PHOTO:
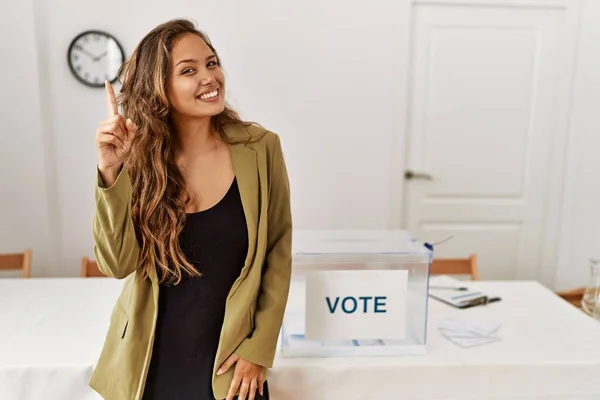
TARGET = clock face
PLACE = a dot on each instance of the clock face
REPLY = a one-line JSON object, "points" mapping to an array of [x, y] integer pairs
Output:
{"points": [[94, 57]]}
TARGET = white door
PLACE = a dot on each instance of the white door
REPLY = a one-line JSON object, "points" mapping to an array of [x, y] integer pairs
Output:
{"points": [[487, 121]]}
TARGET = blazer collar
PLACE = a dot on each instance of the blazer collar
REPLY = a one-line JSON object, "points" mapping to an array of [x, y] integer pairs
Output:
{"points": [[237, 133]]}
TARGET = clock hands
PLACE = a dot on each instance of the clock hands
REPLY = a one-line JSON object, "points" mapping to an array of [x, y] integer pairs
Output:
{"points": [[100, 56], [92, 56], [83, 50]]}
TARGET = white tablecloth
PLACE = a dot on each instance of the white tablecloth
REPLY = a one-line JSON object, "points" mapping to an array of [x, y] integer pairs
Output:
{"points": [[52, 330], [51, 334], [549, 351]]}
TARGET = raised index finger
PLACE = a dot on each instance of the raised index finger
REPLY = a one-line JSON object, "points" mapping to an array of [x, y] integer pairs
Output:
{"points": [[113, 109]]}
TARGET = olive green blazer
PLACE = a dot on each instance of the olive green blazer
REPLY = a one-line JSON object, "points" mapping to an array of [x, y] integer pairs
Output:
{"points": [[257, 300]]}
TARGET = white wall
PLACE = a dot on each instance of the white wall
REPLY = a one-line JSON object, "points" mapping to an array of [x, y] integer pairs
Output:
{"points": [[581, 208], [329, 77], [329, 82], [73, 111], [25, 212]]}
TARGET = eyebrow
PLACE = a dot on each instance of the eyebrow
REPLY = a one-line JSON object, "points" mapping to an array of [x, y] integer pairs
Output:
{"points": [[194, 60]]}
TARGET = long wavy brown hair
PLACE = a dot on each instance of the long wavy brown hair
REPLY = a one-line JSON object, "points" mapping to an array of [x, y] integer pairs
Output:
{"points": [[159, 191]]}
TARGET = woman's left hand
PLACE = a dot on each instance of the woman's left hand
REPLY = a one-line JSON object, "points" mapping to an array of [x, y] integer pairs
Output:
{"points": [[247, 377]]}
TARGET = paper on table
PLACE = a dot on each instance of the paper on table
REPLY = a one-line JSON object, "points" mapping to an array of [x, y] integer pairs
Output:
{"points": [[469, 331], [471, 342], [471, 326]]}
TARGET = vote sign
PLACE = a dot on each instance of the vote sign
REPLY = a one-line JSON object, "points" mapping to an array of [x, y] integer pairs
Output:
{"points": [[366, 304]]}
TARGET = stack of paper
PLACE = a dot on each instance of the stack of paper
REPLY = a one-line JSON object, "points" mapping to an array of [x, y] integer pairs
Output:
{"points": [[469, 331]]}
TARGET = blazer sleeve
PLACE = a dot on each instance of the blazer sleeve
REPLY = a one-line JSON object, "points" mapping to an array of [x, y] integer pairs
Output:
{"points": [[115, 245], [261, 346]]}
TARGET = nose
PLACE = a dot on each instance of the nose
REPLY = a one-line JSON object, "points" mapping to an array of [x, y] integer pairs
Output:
{"points": [[207, 79]]}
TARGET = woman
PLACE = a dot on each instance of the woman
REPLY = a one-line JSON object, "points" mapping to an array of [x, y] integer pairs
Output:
{"points": [[193, 208]]}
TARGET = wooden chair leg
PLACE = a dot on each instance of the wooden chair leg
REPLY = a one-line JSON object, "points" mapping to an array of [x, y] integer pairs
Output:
{"points": [[27, 263]]}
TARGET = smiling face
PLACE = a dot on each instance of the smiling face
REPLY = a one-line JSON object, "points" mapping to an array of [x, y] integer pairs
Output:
{"points": [[196, 85]]}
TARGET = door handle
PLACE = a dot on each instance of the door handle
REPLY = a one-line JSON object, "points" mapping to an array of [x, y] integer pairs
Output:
{"points": [[409, 175]]}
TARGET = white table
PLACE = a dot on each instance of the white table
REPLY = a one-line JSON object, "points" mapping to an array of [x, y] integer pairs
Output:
{"points": [[52, 330], [51, 334], [549, 351]]}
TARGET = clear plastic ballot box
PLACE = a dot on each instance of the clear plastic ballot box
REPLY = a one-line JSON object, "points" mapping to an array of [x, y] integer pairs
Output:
{"points": [[356, 293]]}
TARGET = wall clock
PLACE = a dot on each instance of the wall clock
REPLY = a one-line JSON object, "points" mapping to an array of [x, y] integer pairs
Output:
{"points": [[95, 56]]}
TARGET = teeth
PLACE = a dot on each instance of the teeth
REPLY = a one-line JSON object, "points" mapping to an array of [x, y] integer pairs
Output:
{"points": [[210, 95]]}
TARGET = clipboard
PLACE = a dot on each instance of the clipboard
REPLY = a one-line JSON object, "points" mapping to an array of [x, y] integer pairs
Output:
{"points": [[456, 294]]}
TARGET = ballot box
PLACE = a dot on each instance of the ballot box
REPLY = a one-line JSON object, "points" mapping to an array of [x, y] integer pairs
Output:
{"points": [[356, 293]]}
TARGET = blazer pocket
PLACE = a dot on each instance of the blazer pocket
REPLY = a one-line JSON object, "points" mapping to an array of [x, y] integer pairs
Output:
{"points": [[119, 321], [124, 329], [251, 311]]}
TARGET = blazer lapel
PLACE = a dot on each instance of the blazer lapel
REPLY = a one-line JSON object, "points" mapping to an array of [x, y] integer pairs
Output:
{"points": [[245, 166]]}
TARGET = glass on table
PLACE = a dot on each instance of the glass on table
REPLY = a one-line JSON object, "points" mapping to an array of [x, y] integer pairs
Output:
{"points": [[591, 296]]}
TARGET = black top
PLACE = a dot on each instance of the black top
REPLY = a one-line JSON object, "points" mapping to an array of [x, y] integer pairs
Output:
{"points": [[190, 314]]}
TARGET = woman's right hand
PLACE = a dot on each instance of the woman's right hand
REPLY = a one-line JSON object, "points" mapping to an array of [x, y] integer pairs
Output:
{"points": [[113, 138]]}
